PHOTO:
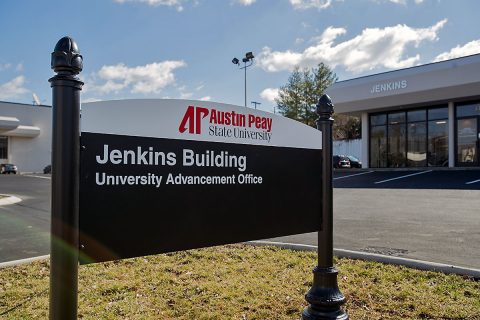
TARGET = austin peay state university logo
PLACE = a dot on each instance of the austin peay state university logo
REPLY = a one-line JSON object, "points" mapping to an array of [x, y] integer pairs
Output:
{"points": [[229, 124], [192, 120]]}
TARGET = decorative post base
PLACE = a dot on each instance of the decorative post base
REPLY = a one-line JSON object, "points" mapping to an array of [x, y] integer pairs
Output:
{"points": [[324, 297]]}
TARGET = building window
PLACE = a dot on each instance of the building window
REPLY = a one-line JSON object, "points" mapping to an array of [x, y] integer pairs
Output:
{"points": [[417, 138], [3, 147], [396, 140], [378, 141], [468, 134], [467, 141], [378, 146], [438, 137], [413, 138]]}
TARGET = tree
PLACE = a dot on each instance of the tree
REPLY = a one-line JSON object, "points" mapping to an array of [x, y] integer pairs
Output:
{"points": [[298, 99], [346, 127]]}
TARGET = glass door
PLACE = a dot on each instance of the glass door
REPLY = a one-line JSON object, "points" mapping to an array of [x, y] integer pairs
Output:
{"points": [[467, 142]]}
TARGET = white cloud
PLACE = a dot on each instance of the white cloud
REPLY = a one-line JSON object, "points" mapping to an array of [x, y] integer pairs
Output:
{"points": [[299, 41], [206, 98], [269, 94], [150, 78], [5, 66], [308, 4], [470, 48], [186, 95], [13, 89], [372, 48], [90, 100], [155, 3], [402, 2], [245, 2], [273, 61]]}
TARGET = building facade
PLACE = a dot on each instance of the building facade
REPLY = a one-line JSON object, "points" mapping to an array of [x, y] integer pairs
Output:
{"points": [[424, 116], [25, 136]]}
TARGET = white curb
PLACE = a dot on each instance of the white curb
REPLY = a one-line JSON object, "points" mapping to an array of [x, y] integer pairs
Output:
{"points": [[411, 263], [9, 200], [22, 261]]}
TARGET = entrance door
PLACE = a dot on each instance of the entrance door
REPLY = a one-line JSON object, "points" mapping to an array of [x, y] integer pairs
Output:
{"points": [[468, 138]]}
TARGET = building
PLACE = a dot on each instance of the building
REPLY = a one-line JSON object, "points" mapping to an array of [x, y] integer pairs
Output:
{"points": [[25, 136], [424, 116]]}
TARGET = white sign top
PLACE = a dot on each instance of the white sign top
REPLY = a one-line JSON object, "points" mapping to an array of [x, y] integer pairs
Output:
{"points": [[197, 120]]}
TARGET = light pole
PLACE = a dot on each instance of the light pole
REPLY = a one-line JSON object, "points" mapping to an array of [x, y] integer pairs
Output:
{"points": [[248, 58], [255, 103]]}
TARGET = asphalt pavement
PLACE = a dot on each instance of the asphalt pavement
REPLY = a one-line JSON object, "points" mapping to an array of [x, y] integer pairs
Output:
{"points": [[25, 226], [418, 214], [421, 214], [408, 179]]}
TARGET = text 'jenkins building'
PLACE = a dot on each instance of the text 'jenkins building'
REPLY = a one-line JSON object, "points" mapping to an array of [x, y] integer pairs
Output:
{"points": [[424, 116]]}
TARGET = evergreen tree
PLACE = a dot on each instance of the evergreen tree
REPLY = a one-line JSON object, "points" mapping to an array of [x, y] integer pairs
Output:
{"points": [[298, 99]]}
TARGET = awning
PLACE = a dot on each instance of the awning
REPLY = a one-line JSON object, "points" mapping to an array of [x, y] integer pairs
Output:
{"points": [[8, 123], [23, 131]]}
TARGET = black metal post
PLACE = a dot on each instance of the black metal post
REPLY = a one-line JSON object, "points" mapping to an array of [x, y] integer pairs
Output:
{"points": [[67, 63], [324, 296]]}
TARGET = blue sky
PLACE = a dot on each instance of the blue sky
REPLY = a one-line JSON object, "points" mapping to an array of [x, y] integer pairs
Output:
{"points": [[184, 48]]}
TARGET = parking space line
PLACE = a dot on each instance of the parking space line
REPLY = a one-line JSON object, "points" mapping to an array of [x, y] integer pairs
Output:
{"points": [[352, 175], [34, 176], [406, 176], [474, 181]]}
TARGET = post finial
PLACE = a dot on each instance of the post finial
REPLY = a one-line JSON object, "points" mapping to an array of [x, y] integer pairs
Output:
{"points": [[325, 107], [66, 58]]}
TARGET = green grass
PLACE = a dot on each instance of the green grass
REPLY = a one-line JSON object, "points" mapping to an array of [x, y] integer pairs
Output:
{"points": [[238, 282]]}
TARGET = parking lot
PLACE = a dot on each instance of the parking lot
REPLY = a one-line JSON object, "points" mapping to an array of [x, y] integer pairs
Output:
{"points": [[408, 179], [25, 226], [419, 214]]}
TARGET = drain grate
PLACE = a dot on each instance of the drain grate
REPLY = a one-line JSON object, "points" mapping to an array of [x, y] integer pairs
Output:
{"points": [[386, 251]]}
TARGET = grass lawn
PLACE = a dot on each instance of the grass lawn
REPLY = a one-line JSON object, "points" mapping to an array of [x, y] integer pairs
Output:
{"points": [[238, 282]]}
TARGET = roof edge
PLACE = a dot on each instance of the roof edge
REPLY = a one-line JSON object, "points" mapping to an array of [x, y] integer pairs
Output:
{"points": [[27, 104], [409, 68]]}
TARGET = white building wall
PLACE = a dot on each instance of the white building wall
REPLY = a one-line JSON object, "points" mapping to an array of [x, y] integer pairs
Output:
{"points": [[348, 147], [29, 154]]}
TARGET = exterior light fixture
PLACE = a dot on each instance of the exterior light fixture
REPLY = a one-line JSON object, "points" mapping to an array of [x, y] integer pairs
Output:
{"points": [[247, 62]]}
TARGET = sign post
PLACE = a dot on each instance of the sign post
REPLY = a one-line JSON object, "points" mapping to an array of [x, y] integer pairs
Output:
{"points": [[325, 297], [66, 87]]}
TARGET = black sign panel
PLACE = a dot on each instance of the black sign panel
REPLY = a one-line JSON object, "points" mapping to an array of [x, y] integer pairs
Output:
{"points": [[141, 196]]}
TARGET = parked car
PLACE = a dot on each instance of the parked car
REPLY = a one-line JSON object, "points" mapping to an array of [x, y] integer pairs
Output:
{"points": [[8, 168], [354, 162], [47, 169], [340, 161]]}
